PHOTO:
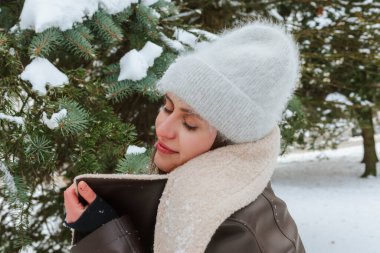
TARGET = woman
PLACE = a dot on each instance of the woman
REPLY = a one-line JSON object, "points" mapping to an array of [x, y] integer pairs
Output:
{"points": [[217, 142]]}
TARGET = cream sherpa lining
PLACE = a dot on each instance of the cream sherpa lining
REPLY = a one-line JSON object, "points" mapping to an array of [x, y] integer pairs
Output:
{"points": [[204, 192]]}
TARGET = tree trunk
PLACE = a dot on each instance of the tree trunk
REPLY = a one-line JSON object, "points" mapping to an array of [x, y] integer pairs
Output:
{"points": [[370, 157]]}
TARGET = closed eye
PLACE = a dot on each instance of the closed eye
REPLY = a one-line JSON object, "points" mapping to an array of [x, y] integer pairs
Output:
{"points": [[190, 128], [166, 109]]}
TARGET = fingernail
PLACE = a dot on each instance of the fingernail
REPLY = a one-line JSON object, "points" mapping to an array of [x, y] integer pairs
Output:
{"points": [[83, 186]]}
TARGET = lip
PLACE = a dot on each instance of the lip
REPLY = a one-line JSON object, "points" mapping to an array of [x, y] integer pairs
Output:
{"points": [[164, 149]]}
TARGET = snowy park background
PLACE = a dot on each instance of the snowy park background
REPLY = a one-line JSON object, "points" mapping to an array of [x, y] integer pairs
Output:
{"points": [[336, 211]]}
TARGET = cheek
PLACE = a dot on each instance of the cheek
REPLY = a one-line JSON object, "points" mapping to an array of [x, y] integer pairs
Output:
{"points": [[195, 144]]}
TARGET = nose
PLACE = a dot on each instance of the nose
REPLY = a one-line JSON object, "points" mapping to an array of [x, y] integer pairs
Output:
{"points": [[166, 127]]}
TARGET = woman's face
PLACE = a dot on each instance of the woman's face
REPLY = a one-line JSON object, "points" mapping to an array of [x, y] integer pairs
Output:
{"points": [[181, 134]]}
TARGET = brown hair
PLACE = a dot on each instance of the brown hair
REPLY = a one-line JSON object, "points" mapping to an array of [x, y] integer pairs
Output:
{"points": [[220, 141]]}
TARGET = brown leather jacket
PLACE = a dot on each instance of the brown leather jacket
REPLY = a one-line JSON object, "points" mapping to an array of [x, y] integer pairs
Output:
{"points": [[263, 226]]}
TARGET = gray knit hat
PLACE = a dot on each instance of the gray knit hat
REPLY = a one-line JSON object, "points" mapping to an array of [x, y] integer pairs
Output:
{"points": [[241, 82]]}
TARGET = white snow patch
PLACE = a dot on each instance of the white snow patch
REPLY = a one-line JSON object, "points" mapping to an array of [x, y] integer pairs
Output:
{"points": [[155, 13], [173, 44], [209, 36], [327, 111], [41, 72], [43, 14], [365, 50], [12, 51], [338, 97], [276, 15], [134, 64], [8, 178], [15, 119], [115, 6], [135, 150], [288, 114], [52, 123], [356, 9], [320, 22], [40, 15], [14, 29], [148, 2], [150, 52], [185, 37]]}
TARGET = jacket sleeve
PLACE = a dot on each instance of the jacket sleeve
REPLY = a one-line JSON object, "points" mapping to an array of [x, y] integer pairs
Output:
{"points": [[233, 236], [116, 236], [96, 214]]}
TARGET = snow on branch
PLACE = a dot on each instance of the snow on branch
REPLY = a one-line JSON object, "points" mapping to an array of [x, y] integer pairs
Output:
{"points": [[8, 179], [338, 97], [52, 123], [173, 44], [134, 64], [135, 150], [41, 72], [185, 37], [40, 15], [209, 36], [15, 119]]}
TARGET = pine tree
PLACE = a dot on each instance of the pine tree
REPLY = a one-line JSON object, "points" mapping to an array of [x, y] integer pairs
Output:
{"points": [[340, 46], [48, 134]]}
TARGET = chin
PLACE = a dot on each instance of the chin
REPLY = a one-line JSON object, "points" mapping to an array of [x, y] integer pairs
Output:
{"points": [[162, 165]]}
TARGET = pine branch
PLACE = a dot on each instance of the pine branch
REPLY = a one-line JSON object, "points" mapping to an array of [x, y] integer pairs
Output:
{"points": [[147, 87], [45, 42], [76, 43], [3, 41], [146, 17], [147, 22], [85, 32], [120, 90], [77, 119], [106, 27], [124, 15], [111, 73], [162, 63], [17, 197], [112, 69], [110, 80], [165, 8], [8, 81], [131, 133], [39, 149], [117, 91], [88, 163], [134, 164]]}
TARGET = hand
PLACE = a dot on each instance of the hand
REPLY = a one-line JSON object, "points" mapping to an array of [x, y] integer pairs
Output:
{"points": [[74, 208]]}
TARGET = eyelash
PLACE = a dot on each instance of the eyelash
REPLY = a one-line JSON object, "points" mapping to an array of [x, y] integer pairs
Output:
{"points": [[190, 128]]}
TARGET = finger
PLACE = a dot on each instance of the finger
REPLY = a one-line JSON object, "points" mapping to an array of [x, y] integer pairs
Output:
{"points": [[86, 192], [71, 196], [73, 207]]}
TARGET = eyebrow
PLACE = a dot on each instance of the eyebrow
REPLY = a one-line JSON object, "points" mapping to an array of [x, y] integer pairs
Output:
{"points": [[188, 111]]}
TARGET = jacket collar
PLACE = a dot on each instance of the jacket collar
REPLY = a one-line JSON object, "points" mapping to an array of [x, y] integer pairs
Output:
{"points": [[202, 193]]}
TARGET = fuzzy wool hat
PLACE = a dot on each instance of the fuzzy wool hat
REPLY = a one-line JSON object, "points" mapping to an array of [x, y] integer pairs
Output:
{"points": [[241, 82]]}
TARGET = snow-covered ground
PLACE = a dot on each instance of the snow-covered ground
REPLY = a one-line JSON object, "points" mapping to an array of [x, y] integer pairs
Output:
{"points": [[336, 211]]}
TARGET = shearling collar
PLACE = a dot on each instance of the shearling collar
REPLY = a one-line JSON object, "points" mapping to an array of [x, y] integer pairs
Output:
{"points": [[205, 191]]}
